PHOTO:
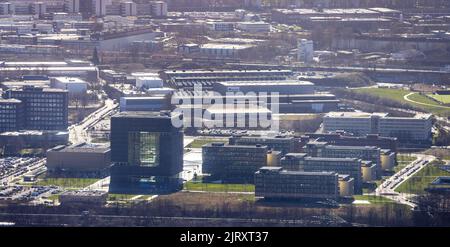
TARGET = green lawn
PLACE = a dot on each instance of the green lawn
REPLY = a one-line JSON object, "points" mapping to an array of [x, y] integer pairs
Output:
{"points": [[373, 199], [398, 94], [403, 161], [67, 182], [212, 187], [120, 197], [442, 98], [417, 183], [198, 143]]}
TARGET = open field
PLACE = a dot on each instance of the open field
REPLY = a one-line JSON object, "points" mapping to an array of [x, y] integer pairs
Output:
{"points": [[399, 94], [212, 187], [417, 183], [67, 182], [445, 99], [373, 199]]}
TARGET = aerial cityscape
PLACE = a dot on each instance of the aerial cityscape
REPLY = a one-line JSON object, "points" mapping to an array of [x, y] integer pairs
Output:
{"points": [[225, 113]]}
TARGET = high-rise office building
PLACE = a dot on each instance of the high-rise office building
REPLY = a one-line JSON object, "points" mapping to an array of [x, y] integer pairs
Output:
{"points": [[44, 108], [305, 50], [72, 6], [146, 152], [233, 163]]}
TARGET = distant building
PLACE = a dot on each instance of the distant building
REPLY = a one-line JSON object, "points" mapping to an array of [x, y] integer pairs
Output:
{"points": [[7, 8], [72, 6], [305, 51], [73, 85], [276, 183], [146, 152], [284, 87], [415, 129], [159, 8], [223, 50], [39, 8], [233, 163], [222, 26], [79, 158], [44, 108], [128, 8], [254, 27], [284, 144]]}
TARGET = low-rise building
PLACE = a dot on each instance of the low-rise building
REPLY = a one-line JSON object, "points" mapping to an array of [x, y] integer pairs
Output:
{"points": [[79, 158], [276, 183], [83, 198]]}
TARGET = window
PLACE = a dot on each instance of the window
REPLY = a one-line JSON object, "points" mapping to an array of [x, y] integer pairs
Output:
{"points": [[143, 148]]}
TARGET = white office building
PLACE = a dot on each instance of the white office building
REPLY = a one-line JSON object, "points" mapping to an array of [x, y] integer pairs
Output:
{"points": [[73, 85], [149, 82], [254, 27], [305, 51], [406, 129], [99, 7], [38, 8]]}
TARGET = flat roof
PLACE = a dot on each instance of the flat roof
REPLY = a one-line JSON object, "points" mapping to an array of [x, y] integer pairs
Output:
{"points": [[146, 114], [267, 83], [65, 79]]}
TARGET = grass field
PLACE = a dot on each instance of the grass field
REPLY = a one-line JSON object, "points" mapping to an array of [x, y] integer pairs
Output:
{"points": [[198, 143], [120, 197], [211, 187], [417, 183], [403, 160], [67, 182], [398, 95], [445, 99], [373, 199]]}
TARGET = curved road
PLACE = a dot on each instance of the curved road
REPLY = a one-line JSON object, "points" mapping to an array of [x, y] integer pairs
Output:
{"points": [[421, 103]]}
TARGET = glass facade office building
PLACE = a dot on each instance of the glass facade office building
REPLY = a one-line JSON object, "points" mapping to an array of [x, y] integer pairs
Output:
{"points": [[146, 152]]}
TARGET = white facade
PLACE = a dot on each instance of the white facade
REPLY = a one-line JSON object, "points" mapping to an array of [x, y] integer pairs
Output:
{"points": [[405, 128], [159, 8], [254, 27], [305, 51], [73, 85], [222, 50], [149, 82], [222, 26]]}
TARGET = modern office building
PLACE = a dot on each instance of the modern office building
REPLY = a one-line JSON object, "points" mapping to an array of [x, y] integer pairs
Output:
{"points": [[159, 9], [284, 144], [81, 157], [128, 8], [146, 152], [233, 163], [367, 153], [276, 183], [44, 108], [293, 161], [415, 129], [343, 166], [388, 159], [39, 8], [305, 51], [7, 8], [72, 6], [11, 115], [346, 186]]}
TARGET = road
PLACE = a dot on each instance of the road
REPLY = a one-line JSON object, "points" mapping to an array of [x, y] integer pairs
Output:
{"points": [[78, 132], [406, 97], [387, 188]]}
